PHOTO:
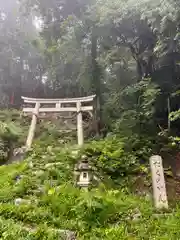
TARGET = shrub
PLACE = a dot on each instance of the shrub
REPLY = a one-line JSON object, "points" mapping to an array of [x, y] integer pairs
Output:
{"points": [[100, 213], [113, 158], [9, 134]]}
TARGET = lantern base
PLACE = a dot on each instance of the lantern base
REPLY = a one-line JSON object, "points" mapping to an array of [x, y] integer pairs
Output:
{"points": [[83, 184]]}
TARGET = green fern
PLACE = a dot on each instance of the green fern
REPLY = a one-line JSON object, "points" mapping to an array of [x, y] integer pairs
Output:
{"points": [[9, 133], [3, 128], [3, 152], [9, 130]]}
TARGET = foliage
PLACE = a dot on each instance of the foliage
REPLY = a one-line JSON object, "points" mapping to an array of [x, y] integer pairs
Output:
{"points": [[56, 204], [9, 131], [127, 53], [9, 134], [14, 128], [118, 159], [21, 62], [174, 115]]}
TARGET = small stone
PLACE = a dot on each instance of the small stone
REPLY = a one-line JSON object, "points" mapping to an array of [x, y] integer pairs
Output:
{"points": [[67, 234], [53, 164], [39, 173], [136, 216], [30, 229], [49, 149], [63, 234], [19, 151], [30, 164], [18, 154], [19, 201], [40, 190]]}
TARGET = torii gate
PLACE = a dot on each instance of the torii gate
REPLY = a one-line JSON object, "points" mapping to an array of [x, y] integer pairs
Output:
{"points": [[78, 105]]}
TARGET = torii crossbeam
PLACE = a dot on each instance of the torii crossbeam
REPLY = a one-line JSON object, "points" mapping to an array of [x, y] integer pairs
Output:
{"points": [[58, 105]]}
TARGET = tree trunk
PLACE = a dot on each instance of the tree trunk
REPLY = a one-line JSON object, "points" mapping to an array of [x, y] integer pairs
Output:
{"points": [[96, 82]]}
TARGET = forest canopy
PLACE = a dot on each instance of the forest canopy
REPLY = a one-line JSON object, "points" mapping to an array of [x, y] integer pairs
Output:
{"points": [[125, 52]]}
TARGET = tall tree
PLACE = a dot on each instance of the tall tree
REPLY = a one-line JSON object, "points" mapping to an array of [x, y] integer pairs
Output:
{"points": [[21, 62]]}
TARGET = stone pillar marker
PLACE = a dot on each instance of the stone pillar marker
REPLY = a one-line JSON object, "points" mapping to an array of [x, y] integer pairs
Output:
{"points": [[33, 126], [80, 135], [158, 182]]}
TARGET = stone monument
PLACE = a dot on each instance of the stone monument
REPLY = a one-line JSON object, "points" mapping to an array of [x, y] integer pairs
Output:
{"points": [[158, 182]]}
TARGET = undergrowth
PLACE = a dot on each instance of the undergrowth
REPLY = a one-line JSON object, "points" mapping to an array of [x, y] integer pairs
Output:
{"points": [[45, 181], [14, 127]]}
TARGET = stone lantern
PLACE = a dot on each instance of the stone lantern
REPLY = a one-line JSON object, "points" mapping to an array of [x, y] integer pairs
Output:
{"points": [[85, 174]]}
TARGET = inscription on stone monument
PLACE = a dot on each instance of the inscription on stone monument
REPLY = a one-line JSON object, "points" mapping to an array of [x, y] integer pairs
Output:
{"points": [[158, 182]]}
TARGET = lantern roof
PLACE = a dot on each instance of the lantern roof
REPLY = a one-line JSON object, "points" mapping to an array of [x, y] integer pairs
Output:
{"points": [[83, 165]]}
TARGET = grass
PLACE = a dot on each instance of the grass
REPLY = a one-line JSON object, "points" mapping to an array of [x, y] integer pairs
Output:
{"points": [[56, 204]]}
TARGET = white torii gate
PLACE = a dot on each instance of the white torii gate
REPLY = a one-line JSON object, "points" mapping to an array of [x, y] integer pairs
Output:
{"points": [[57, 107]]}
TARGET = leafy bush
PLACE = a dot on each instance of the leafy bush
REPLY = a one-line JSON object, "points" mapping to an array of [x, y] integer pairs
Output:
{"points": [[9, 134], [14, 130], [117, 158]]}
